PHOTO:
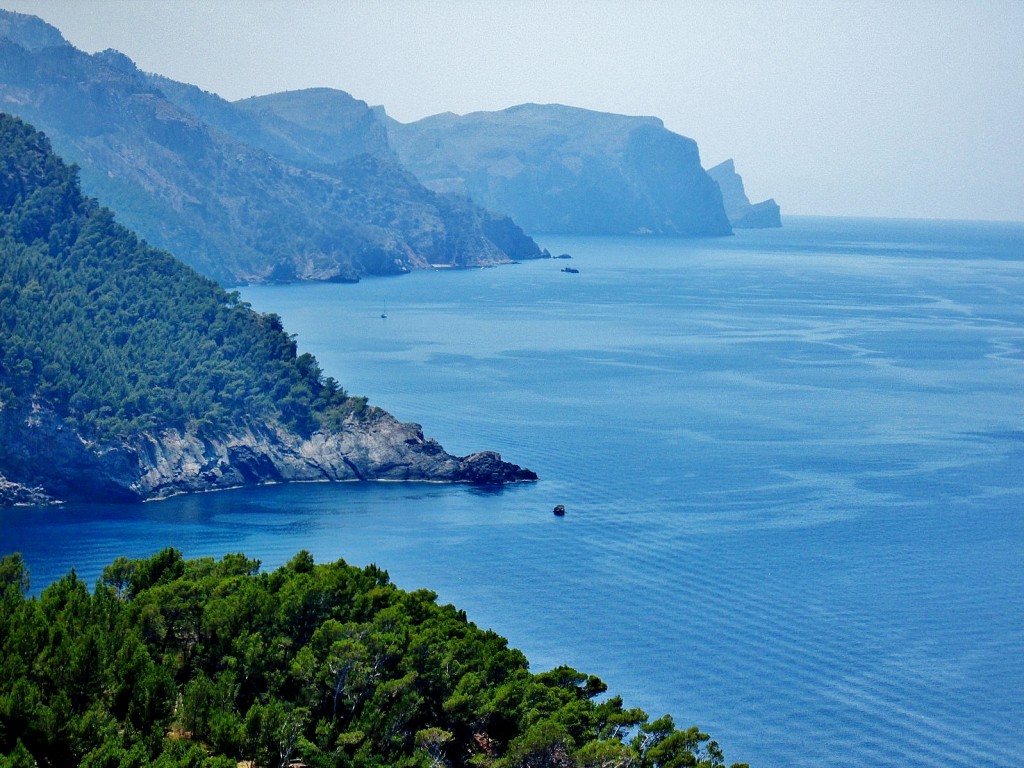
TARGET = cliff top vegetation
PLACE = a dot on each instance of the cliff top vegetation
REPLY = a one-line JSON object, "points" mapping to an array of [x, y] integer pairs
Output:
{"points": [[119, 337], [187, 663]]}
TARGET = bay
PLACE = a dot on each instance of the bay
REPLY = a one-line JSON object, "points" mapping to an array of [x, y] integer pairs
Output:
{"points": [[792, 462]]}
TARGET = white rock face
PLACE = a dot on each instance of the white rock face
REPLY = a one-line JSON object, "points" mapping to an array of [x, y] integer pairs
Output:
{"points": [[38, 451]]}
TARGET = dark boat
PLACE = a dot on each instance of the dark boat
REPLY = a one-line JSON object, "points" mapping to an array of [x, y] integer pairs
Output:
{"points": [[559, 510], [570, 270]]}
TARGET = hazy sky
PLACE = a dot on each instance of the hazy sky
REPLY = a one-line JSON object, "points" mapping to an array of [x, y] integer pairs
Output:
{"points": [[899, 109]]}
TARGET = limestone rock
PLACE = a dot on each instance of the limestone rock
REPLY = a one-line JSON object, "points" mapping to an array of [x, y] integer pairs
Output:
{"points": [[38, 451]]}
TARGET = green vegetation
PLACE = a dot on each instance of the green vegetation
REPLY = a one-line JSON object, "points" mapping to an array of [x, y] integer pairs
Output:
{"points": [[169, 662], [118, 337]]}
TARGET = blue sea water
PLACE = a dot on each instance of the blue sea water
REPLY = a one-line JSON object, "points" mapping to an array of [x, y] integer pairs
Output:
{"points": [[792, 462]]}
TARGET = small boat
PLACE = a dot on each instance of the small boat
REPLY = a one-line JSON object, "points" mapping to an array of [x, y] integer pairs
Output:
{"points": [[570, 270], [384, 314], [559, 510]]}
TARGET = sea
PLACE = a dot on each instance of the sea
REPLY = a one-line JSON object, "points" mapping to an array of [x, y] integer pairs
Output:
{"points": [[792, 463]]}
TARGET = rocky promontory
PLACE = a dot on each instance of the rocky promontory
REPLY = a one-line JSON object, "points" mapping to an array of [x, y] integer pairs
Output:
{"points": [[45, 460], [126, 376], [561, 169], [742, 213]]}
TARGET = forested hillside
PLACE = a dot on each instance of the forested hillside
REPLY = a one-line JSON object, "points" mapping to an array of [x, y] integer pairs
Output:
{"points": [[562, 169], [119, 337], [203, 663], [126, 375]]}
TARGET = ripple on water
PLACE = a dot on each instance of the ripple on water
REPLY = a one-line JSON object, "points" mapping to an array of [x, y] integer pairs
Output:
{"points": [[791, 470]]}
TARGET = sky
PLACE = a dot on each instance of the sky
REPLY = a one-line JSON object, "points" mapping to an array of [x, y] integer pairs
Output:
{"points": [[910, 109]]}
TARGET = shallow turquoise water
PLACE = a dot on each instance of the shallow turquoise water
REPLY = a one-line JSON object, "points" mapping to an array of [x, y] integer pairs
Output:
{"points": [[793, 464]]}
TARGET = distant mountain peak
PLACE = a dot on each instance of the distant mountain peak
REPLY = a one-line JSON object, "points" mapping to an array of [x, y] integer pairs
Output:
{"points": [[300, 185], [724, 167], [30, 32], [321, 101], [334, 124]]}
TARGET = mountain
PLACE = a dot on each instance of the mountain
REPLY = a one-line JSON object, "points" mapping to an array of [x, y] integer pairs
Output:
{"points": [[233, 190], [562, 169], [125, 375], [30, 31], [353, 128], [742, 213]]}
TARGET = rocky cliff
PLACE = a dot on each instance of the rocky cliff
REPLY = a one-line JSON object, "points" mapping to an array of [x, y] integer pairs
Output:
{"points": [[742, 213], [562, 169], [44, 460]]}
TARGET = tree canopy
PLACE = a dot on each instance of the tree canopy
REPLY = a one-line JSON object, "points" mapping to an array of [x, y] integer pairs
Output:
{"points": [[119, 337], [174, 663]]}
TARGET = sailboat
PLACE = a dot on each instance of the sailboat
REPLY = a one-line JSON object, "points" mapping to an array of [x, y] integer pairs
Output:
{"points": [[384, 314]]}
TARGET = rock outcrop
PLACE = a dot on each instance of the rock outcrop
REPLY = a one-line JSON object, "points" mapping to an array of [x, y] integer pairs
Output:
{"points": [[124, 375], [45, 460], [18, 495], [742, 213]]}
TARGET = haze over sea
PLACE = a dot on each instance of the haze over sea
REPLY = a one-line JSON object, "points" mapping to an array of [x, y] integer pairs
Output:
{"points": [[792, 462]]}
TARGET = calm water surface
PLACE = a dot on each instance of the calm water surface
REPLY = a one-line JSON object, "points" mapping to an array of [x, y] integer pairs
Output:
{"points": [[793, 464]]}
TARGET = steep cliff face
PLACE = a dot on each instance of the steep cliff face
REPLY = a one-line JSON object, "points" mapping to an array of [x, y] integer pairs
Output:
{"points": [[45, 460], [742, 213], [16, 494], [328, 128], [561, 169]]}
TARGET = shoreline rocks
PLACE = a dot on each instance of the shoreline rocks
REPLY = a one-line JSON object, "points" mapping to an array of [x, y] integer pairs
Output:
{"points": [[18, 495], [43, 460]]}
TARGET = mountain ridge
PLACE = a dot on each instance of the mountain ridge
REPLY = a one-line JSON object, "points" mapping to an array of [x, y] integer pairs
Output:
{"points": [[314, 184], [224, 193]]}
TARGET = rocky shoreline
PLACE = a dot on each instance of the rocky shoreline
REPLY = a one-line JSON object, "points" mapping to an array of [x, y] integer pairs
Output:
{"points": [[43, 460], [18, 495]]}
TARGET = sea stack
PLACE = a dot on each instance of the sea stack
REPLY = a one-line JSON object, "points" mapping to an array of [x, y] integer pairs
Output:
{"points": [[741, 212]]}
